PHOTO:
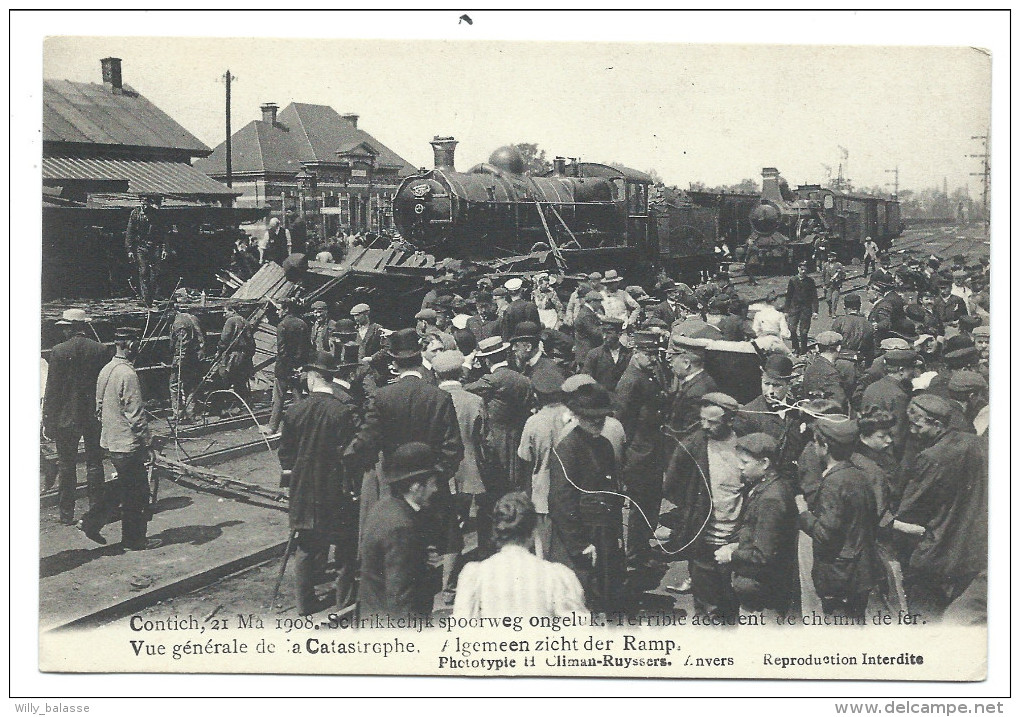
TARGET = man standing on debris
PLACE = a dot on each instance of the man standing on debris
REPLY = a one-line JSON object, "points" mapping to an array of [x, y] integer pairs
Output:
{"points": [[323, 511], [369, 336], [801, 306], [187, 344], [69, 410], [291, 353], [125, 436], [145, 241], [322, 326], [236, 350], [277, 243]]}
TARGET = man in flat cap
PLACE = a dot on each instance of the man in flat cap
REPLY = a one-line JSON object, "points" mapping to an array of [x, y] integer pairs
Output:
{"points": [[127, 439], [292, 345], [982, 342], [520, 309], [690, 383], [235, 351], [891, 393], [69, 410], [395, 575], [858, 334], [842, 520], [507, 396], [703, 481], [833, 275], [314, 433], [606, 363], [641, 401], [588, 327], [321, 327], [801, 306], [970, 390], [187, 345], [888, 311], [870, 255], [821, 377], [945, 504], [763, 557], [145, 241]]}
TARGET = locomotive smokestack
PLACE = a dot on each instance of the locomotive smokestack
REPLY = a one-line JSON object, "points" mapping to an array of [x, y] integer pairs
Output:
{"points": [[770, 185], [443, 149], [560, 166]]}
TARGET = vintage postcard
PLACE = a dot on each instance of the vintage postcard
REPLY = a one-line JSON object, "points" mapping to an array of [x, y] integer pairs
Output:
{"points": [[488, 357]]}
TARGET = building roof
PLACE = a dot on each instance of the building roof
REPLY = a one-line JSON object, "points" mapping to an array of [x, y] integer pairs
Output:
{"points": [[87, 113], [166, 178], [302, 134]]}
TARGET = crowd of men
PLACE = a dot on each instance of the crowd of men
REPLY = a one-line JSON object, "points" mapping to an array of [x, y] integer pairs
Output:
{"points": [[857, 478], [584, 427]]}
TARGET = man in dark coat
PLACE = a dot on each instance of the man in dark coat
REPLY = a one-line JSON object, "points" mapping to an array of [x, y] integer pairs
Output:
{"points": [[292, 344], [584, 502], [641, 401], [606, 363], [187, 345], [322, 326], [69, 410], [145, 241], [528, 352], [801, 307], [277, 243], [764, 556], [587, 327], [842, 521], [485, 323], [236, 350], [821, 377], [703, 481], [412, 410], [314, 434], [891, 393], [948, 306], [733, 324], [691, 382], [519, 310], [507, 396], [395, 576], [369, 334], [946, 505], [888, 312], [857, 332]]}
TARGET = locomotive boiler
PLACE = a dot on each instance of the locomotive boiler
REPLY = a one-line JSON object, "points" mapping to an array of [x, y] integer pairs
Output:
{"points": [[589, 215]]}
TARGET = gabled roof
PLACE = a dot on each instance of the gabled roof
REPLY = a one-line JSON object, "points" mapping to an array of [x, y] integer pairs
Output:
{"points": [[87, 113], [302, 134]]}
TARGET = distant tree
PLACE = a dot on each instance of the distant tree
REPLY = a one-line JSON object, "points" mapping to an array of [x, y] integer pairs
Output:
{"points": [[744, 186], [656, 177], [535, 162]]}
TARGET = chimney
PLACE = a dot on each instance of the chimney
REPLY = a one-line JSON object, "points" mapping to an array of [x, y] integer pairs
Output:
{"points": [[770, 185], [560, 166], [351, 117], [443, 149], [269, 112], [111, 74]]}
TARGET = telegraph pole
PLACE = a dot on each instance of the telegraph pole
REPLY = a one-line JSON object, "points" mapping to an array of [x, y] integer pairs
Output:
{"points": [[985, 173], [230, 174], [896, 181]]}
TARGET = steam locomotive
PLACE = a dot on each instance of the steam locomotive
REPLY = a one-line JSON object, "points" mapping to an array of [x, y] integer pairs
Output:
{"points": [[592, 216]]}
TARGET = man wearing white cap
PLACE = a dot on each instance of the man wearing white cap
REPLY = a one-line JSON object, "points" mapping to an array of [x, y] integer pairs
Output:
{"points": [[69, 409], [616, 302], [369, 333], [519, 310]]}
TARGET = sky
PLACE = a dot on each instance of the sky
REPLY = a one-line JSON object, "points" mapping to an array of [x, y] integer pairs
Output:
{"points": [[693, 112]]}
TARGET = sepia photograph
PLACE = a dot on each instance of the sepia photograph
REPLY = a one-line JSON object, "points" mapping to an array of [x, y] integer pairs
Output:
{"points": [[455, 353]]}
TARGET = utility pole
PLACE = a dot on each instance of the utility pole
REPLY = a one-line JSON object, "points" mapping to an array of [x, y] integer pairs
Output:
{"points": [[985, 173], [896, 181], [230, 174]]}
